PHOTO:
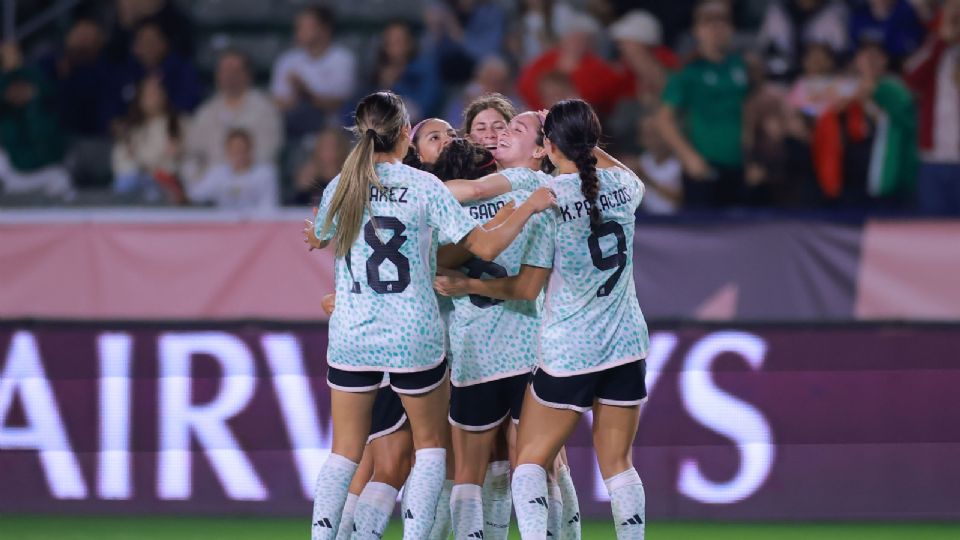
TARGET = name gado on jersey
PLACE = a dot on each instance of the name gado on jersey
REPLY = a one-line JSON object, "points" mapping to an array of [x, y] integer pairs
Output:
{"points": [[607, 201], [485, 211], [188, 427]]}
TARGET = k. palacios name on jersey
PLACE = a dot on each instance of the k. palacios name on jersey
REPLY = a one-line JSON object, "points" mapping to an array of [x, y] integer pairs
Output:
{"points": [[607, 201]]}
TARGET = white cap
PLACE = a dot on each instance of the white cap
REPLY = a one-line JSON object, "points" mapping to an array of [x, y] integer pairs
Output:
{"points": [[575, 22], [638, 25]]}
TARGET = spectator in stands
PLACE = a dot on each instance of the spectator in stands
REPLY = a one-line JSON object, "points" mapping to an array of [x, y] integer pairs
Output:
{"points": [[400, 68], [130, 16], [820, 86], [537, 28], [241, 183], [152, 57], [554, 87], [791, 25], [462, 33], [313, 79], [865, 150], [708, 94], [31, 140], [661, 171], [934, 74], [83, 77], [492, 76], [147, 153], [322, 165], [893, 23], [596, 81], [486, 117], [236, 104], [642, 55]]}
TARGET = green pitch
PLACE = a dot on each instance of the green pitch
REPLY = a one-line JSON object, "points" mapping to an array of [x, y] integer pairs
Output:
{"points": [[123, 528]]}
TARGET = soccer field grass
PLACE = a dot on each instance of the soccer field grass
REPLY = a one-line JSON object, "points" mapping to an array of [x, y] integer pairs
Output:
{"points": [[152, 528]]}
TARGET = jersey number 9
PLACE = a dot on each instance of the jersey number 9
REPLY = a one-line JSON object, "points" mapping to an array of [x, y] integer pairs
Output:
{"points": [[617, 260]]}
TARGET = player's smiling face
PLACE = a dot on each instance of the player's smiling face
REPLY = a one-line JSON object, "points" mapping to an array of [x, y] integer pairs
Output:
{"points": [[486, 127], [432, 137], [518, 143]]}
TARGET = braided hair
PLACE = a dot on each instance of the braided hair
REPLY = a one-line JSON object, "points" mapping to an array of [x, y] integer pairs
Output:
{"points": [[574, 128]]}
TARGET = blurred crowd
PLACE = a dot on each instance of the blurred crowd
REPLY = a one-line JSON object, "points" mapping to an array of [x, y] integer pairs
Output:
{"points": [[793, 104]]}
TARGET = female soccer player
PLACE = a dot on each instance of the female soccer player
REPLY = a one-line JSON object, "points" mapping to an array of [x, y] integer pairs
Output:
{"points": [[594, 337], [427, 139], [379, 211], [486, 117]]}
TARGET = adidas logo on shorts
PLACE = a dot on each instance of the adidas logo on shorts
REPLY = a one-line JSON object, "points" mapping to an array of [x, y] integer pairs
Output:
{"points": [[635, 520], [539, 500]]}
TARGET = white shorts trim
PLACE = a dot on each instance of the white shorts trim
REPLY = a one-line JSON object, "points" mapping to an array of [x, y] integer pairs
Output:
{"points": [[390, 430], [615, 403], [553, 405], [602, 367], [353, 390], [477, 429], [497, 377], [421, 391]]}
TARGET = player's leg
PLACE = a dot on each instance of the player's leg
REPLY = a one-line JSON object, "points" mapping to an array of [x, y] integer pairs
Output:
{"points": [[570, 527], [391, 445], [442, 525], [472, 451], [545, 424], [426, 400], [497, 502], [351, 405], [615, 419], [359, 481]]}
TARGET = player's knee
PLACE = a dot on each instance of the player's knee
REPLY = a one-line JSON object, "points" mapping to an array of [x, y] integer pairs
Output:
{"points": [[393, 471], [352, 450], [613, 461]]}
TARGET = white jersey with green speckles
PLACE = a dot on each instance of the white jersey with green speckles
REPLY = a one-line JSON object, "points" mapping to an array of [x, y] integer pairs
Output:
{"points": [[592, 320], [387, 317], [493, 339]]}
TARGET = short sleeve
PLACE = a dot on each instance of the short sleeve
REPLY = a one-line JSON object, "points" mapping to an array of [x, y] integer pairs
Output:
{"points": [[444, 212], [541, 234], [323, 209], [674, 94], [524, 179]]}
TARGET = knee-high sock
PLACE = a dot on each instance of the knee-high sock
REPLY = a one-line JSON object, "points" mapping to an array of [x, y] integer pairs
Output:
{"points": [[346, 519], [333, 482], [555, 509], [374, 508], [629, 504], [530, 501], [422, 492], [497, 503], [570, 530], [441, 523], [466, 509]]}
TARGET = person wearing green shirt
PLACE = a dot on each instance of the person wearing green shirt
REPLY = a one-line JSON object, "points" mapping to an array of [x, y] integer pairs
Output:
{"points": [[702, 113]]}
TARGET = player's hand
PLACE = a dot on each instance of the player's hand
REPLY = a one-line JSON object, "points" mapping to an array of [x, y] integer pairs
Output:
{"points": [[451, 285], [696, 167], [328, 303], [542, 199], [310, 234]]}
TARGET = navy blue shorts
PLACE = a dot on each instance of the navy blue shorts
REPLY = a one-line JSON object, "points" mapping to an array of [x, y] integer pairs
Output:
{"points": [[416, 383], [388, 414], [484, 406], [622, 386]]}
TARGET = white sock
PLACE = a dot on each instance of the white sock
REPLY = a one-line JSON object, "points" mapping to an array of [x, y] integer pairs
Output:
{"points": [[555, 510], [441, 523], [346, 519], [497, 504], [530, 501], [570, 530], [374, 509], [422, 492], [629, 504], [333, 483], [466, 508]]}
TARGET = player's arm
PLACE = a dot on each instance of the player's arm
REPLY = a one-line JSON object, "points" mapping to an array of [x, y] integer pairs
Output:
{"points": [[455, 256], [328, 303], [489, 186], [487, 242], [526, 285]]}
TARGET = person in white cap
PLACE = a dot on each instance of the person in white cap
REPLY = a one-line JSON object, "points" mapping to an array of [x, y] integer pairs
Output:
{"points": [[638, 36]]}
